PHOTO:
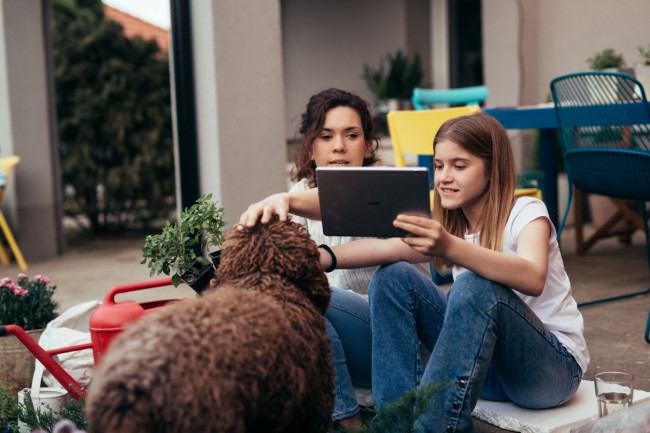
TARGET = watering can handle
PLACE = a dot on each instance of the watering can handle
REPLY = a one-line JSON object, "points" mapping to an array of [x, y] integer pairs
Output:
{"points": [[124, 288], [36, 379]]}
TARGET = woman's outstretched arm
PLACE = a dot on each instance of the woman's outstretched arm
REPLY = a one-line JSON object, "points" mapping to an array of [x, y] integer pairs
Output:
{"points": [[301, 203], [362, 253]]}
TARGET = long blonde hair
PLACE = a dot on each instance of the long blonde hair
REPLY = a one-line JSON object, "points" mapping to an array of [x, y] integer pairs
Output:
{"points": [[483, 136]]}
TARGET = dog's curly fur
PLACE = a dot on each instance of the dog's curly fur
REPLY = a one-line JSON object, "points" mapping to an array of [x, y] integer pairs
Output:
{"points": [[251, 355]]}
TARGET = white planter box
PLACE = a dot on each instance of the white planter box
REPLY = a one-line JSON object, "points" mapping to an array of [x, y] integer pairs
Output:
{"points": [[642, 73]]}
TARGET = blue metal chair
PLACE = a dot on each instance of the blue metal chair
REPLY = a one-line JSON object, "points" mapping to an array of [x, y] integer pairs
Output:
{"points": [[423, 98], [604, 123]]}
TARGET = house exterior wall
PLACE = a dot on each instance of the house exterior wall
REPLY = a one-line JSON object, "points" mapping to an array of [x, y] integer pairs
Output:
{"points": [[34, 199], [325, 44], [240, 101], [552, 38]]}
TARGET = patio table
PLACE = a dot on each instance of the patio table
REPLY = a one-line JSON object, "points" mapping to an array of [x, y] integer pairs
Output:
{"points": [[543, 118]]}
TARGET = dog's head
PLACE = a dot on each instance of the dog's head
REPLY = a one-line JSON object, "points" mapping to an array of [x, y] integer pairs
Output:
{"points": [[282, 248]]}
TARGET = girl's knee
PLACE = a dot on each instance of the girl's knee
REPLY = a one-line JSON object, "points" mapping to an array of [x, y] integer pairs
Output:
{"points": [[388, 276], [472, 288], [392, 270]]}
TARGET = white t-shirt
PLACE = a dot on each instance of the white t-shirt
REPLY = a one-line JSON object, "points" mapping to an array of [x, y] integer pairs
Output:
{"points": [[356, 280], [555, 307]]}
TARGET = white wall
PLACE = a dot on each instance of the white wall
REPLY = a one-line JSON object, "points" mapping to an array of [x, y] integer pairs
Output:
{"points": [[25, 119], [580, 28], [501, 42], [240, 101], [326, 43], [557, 37]]}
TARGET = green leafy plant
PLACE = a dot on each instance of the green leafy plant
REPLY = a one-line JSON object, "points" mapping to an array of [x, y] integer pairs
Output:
{"points": [[9, 409], [75, 411], [36, 418], [113, 107], [645, 53], [174, 250], [398, 81], [27, 302], [607, 58], [42, 419], [400, 417]]}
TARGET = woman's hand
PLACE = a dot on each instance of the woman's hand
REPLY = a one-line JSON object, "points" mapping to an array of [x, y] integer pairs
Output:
{"points": [[301, 203], [427, 236], [276, 204]]}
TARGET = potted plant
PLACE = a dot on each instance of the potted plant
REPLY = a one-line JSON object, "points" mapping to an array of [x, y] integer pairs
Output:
{"points": [[13, 414], [178, 249], [28, 303], [606, 59], [609, 60], [393, 87]]}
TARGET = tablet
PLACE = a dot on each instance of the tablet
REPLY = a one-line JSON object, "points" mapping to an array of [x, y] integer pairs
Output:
{"points": [[364, 201]]}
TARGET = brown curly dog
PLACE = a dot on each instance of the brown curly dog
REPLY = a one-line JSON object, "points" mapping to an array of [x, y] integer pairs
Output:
{"points": [[250, 355]]}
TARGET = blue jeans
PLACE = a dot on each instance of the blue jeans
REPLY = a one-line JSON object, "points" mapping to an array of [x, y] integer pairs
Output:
{"points": [[484, 341], [348, 326]]}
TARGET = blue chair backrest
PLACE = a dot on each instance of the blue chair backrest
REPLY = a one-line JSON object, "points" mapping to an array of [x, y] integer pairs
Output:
{"points": [[423, 98], [604, 122]]}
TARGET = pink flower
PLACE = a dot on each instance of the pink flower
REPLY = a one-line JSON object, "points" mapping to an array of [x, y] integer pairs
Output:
{"points": [[43, 279], [5, 281], [22, 276], [20, 292]]}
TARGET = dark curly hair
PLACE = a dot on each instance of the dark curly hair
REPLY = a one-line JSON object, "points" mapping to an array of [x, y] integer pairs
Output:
{"points": [[311, 124]]}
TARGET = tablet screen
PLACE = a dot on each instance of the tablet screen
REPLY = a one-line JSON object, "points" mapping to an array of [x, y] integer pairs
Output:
{"points": [[364, 201]]}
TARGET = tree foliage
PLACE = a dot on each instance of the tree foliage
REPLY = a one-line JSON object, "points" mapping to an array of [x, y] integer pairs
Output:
{"points": [[114, 119]]}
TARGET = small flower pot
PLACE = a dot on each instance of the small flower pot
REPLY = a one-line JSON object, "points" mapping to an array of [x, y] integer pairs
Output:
{"points": [[215, 256], [198, 276]]}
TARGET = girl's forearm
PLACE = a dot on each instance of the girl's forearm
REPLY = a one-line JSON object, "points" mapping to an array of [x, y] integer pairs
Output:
{"points": [[516, 272]]}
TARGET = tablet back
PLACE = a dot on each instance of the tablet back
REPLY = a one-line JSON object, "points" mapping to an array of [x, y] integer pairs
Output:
{"points": [[364, 201]]}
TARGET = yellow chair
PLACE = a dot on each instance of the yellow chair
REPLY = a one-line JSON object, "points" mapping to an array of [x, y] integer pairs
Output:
{"points": [[413, 131], [7, 165]]}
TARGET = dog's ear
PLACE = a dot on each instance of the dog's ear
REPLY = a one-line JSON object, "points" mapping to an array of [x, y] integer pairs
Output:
{"points": [[279, 247]]}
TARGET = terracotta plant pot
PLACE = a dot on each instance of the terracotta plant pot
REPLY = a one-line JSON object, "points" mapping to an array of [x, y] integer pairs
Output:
{"points": [[16, 362]]}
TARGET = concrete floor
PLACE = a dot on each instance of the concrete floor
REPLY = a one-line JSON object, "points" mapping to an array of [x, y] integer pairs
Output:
{"points": [[614, 330]]}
